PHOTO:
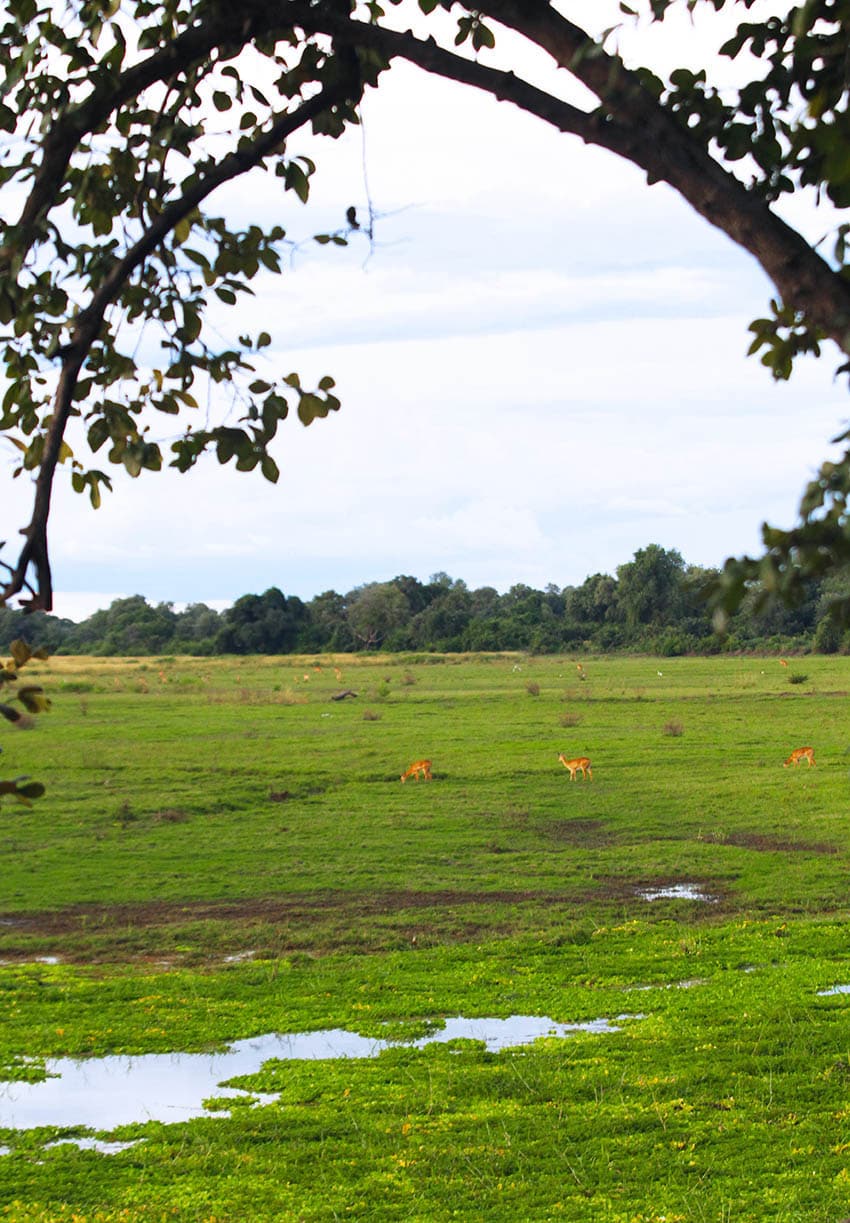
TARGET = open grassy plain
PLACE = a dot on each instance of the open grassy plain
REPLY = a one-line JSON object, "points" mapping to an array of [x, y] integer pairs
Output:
{"points": [[225, 851]]}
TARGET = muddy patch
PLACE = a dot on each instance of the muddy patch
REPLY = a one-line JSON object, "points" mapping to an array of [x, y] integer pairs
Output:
{"points": [[269, 910], [662, 888], [294, 923], [590, 834], [765, 843], [279, 925]]}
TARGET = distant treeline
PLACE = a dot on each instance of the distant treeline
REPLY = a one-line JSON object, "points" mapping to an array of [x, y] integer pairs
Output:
{"points": [[652, 605]]}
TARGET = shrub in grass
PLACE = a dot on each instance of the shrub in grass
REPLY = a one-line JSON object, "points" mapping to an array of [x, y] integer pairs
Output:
{"points": [[171, 815], [125, 814], [532, 688], [797, 677], [673, 729], [570, 719], [370, 715]]}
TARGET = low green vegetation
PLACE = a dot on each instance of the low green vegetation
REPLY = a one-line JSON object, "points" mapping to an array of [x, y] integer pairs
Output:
{"points": [[224, 850]]}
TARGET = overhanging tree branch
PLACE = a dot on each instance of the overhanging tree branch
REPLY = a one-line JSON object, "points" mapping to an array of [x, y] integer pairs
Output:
{"points": [[109, 94], [89, 321], [633, 124]]}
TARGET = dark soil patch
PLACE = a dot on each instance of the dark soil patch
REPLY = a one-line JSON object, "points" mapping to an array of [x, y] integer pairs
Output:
{"points": [[587, 833], [765, 843], [314, 924], [171, 815], [619, 889], [269, 910]]}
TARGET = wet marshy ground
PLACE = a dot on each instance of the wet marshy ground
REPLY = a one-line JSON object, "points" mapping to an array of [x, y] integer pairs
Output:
{"points": [[102, 1093]]}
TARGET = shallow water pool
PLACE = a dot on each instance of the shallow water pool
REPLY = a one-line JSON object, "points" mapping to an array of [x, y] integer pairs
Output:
{"points": [[102, 1093]]}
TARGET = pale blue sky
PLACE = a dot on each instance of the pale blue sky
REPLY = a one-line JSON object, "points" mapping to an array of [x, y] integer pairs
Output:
{"points": [[542, 368]]}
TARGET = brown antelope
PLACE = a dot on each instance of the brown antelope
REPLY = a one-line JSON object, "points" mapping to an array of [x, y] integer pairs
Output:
{"points": [[421, 766], [783, 662], [580, 764], [801, 753]]}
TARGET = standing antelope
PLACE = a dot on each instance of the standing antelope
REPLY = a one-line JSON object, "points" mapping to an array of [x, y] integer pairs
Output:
{"points": [[801, 753], [421, 766], [580, 764]]}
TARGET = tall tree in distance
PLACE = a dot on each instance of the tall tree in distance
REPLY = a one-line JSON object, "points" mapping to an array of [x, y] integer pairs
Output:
{"points": [[650, 587], [124, 117]]}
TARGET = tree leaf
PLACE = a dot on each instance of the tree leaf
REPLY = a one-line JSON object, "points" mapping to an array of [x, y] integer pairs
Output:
{"points": [[20, 651]]}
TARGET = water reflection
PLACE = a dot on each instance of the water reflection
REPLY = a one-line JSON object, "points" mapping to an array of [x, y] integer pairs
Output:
{"points": [[676, 891], [87, 1144], [102, 1093]]}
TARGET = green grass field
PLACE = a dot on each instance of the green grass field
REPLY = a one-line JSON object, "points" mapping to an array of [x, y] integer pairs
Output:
{"points": [[225, 851]]}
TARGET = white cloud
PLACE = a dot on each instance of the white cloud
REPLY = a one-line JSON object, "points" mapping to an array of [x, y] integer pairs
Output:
{"points": [[485, 526], [79, 605], [532, 456]]}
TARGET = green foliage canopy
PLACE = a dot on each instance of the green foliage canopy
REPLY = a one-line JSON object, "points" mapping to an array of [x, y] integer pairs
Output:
{"points": [[652, 606], [122, 118]]}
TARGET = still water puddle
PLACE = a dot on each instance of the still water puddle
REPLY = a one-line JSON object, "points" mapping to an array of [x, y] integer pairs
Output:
{"points": [[87, 1144], [835, 989], [39, 959], [676, 891], [102, 1093], [690, 984]]}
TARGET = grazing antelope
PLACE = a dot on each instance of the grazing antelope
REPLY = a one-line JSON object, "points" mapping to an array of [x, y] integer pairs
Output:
{"points": [[783, 662], [581, 764], [421, 766], [801, 753]]}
